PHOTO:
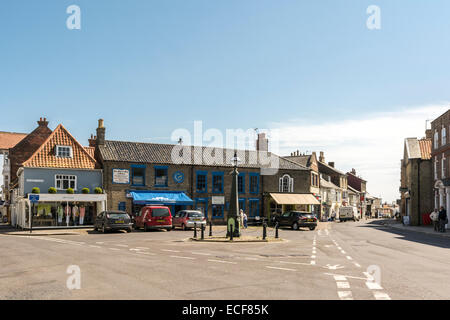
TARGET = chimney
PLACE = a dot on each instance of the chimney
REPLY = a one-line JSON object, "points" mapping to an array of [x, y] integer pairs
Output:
{"points": [[331, 164], [353, 172], [262, 143], [321, 157], [92, 141], [428, 134], [100, 133], [42, 122]]}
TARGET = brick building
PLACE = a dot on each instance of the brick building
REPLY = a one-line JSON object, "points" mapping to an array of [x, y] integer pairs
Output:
{"points": [[440, 154], [416, 182], [137, 174], [360, 186]]}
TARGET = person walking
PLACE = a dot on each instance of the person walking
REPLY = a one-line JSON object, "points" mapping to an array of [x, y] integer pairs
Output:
{"points": [[333, 215], [443, 220], [434, 216], [245, 218]]}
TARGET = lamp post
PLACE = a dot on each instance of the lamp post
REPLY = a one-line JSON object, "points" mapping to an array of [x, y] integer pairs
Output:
{"points": [[232, 218]]}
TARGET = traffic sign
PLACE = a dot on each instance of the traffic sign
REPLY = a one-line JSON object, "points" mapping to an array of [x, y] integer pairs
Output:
{"points": [[34, 198]]}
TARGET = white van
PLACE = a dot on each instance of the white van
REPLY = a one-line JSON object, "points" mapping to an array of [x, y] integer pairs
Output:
{"points": [[348, 213]]}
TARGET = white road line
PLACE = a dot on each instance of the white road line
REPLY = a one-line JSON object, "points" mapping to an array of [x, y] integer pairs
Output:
{"points": [[289, 262], [146, 253], [221, 261], [122, 245], [373, 285], [99, 242], [313, 257], [180, 257], [142, 248], [381, 295], [92, 246], [345, 295], [313, 262], [357, 264], [349, 258], [340, 278], [202, 253], [115, 249], [286, 269], [168, 250], [343, 252], [343, 285]]}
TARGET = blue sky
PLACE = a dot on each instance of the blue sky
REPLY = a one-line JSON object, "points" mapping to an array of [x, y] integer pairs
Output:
{"points": [[150, 67]]}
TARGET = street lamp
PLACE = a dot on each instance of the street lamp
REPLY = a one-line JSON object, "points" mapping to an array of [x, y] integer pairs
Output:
{"points": [[232, 218]]}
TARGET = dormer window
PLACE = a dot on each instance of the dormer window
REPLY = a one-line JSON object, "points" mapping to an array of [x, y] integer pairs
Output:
{"points": [[64, 151]]}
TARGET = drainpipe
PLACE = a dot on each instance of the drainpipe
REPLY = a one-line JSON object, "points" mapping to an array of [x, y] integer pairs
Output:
{"points": [[418, 191]]}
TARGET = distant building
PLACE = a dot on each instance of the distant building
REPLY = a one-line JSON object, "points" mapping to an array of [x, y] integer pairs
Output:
{"points": [[416, 183], [359, 185]]}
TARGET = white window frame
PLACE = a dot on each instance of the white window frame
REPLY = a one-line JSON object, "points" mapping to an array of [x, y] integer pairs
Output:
{"points": [[58, 149], [443, 136], [435, 169], [436, 139], [290, 184], [69, 176], [443, 171]]}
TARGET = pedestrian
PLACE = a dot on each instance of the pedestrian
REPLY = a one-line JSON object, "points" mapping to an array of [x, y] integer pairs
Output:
{"points": [[333, 215], [434, 216], [443, 220], [241, 218], [245, 218]]}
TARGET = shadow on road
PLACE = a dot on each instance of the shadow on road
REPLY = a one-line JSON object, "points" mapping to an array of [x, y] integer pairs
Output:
{"points": [[409, 235]]}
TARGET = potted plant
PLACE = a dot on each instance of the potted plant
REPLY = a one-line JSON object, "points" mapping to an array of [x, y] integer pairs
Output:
{"points": [[98, 190], [35, 190], [52, 190], [85, 190], [69, 191]]}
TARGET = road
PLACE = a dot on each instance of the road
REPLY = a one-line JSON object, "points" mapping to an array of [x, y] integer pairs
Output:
{"points": [[351, 260]]}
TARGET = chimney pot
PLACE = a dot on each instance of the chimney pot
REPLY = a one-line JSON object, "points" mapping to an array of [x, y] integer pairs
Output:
{"points": [[42, 122]]}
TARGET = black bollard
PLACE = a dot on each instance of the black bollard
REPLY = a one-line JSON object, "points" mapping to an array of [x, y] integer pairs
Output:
{"points": [[276, 231], [210, 228], [231, 232], [195, 230], [202, 229], [264, 230]]}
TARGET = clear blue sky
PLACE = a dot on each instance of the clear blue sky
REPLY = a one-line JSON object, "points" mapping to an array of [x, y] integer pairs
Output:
{"points": [[149, 67]]}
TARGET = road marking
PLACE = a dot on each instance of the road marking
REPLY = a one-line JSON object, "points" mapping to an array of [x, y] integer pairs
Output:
{"points": [[340, 278], [289, 262], [313, 257], [343, 285], [201, 253], [180, 257], [345, 295], [349, 258], [122, 245], [94, 246], [352, 277], [381, 295], [373, 285], [249, 258], [286, 269], [142, 248], [168, 250], [313, 262], [99, 242], [115, 249], [357, 264], [146, 253], [221, 261], [343, 252]]}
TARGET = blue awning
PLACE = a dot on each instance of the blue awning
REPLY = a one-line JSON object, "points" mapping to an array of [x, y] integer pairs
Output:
{"points": [[160, 197]]}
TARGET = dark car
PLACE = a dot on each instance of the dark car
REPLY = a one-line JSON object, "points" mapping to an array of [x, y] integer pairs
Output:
{"points": [[113, 220], [297, 219]]}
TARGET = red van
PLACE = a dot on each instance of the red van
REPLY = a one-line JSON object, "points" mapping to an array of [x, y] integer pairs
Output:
{"points": [[153, 217]]}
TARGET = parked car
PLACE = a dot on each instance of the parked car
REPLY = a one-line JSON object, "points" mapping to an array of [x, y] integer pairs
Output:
{"points": [[186, 219], [297, 219], [113, 220], [153, 217]]}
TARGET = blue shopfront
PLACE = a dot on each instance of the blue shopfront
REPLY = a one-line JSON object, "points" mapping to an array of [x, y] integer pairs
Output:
{"points": [[175, 200]]}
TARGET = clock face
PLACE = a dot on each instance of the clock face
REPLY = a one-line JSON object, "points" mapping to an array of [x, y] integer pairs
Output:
{"points": [[178, 177]]}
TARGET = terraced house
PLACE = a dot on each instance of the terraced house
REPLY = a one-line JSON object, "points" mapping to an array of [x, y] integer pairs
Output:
{"points": [[184, 177]]}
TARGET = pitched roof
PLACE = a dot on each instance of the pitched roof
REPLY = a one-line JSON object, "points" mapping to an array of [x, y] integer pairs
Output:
{"points": [[327, 184], [425, 148], [326, 166], [10, 139], [45, 157], [140, 152], [304, 160], [91, 151]]}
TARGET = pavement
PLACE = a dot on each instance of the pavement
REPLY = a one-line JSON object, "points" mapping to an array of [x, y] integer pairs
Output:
{"points": [[363, 260], [427, 229]]}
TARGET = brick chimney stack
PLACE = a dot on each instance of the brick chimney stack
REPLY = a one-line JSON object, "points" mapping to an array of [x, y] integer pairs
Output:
{"points": [[262, 143], [92, 141], [100, 133], [353, 172], [428, 134], [42, 122], [322, 157]]}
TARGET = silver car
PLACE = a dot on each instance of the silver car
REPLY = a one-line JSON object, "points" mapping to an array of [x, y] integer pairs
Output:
{"points": [[186, 219]]}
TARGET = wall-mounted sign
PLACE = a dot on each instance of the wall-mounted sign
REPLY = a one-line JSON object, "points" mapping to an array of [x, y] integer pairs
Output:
{"points": [[35, 180], [178, 177], [121, 176], [218, 200]]}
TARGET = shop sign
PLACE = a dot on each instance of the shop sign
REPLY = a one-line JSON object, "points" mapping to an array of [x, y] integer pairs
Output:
{"points": [[121, 176], [218, 200], [178, 177], [35, 180]]}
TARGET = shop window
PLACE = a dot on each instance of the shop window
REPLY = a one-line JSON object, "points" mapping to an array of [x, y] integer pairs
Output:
{"points": [[64, 151], [122, 206], [201, 181], [241, 183], [217, 210], [161, 176], [286, 184], [254, 183], [138, 175], [64, 182], [253, 208], [217, 182]]}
